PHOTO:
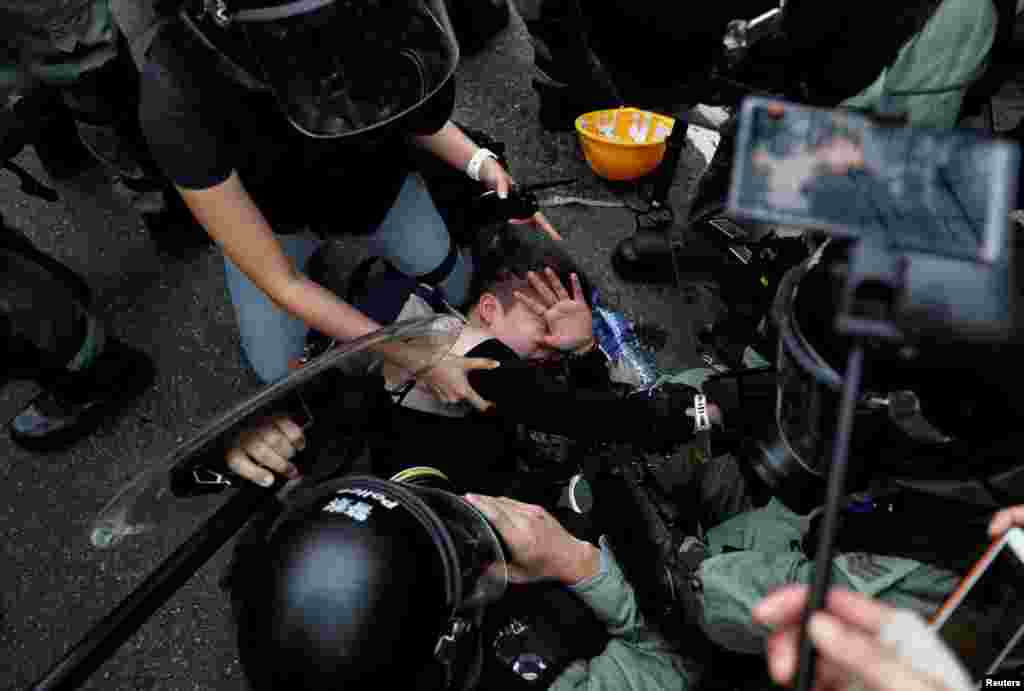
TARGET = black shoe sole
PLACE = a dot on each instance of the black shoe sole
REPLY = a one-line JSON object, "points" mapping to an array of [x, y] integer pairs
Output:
{"points": [[142, 378]]}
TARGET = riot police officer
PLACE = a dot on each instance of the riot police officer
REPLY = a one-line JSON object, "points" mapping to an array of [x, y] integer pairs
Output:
{"points": [[405, 584]]}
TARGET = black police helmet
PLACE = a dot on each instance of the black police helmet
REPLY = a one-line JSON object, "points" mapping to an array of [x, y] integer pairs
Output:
{"points": [[364, 580]]}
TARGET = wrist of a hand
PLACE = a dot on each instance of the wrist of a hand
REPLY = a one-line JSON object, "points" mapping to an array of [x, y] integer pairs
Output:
{"points": [[476, 163], [583, 562]]}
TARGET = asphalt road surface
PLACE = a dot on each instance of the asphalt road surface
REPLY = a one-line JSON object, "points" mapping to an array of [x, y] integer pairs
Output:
{"points": [[53, 584]]}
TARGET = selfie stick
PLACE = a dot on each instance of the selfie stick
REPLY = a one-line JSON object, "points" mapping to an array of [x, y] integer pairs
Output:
{"points": [[826, 537], [863, 315]]}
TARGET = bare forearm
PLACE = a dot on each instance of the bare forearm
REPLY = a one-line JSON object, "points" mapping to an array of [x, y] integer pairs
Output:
{"points": [[450, 144], [229, 215], [323, 310]]}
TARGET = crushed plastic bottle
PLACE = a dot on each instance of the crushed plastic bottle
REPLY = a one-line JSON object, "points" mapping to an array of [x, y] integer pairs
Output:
{"points": [[631, 363]]}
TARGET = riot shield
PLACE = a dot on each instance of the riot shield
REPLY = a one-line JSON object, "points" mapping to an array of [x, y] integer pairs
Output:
{"points": [[149, 503]]}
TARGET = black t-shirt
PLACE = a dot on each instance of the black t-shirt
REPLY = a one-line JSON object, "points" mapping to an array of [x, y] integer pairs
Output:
{"points": [[202, 124], [475, 450]]}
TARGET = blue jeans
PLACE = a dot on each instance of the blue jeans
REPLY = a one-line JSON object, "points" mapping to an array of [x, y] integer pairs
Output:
{"points": [[412, 236]]}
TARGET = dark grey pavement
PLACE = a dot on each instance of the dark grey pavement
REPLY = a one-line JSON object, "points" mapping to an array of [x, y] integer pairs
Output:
{"points": [[53, 584]]}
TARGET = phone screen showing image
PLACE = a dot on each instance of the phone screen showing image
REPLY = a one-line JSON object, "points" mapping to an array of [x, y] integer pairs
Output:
{"points": [[935, 191], [987, 620]]}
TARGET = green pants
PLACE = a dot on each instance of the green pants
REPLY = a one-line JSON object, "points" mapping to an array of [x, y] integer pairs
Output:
{"points": [[759, 550], [753, 551]]}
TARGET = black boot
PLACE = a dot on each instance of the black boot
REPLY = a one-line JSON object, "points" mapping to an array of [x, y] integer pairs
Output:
{"points": [[56, 139], [646, 257], [73, 404]]}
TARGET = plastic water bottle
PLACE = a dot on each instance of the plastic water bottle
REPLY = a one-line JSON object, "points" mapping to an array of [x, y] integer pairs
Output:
{"points": [[631, 362]]}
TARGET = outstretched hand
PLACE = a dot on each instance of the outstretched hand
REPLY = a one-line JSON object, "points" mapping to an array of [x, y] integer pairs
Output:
{"points": [[568, 318], [448, 381]]}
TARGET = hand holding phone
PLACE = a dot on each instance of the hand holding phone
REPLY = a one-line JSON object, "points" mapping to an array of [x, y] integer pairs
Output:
{"points": [[983, 620], [1006, 519], [863, 643]]}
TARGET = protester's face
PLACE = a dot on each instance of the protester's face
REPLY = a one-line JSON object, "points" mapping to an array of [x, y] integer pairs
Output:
{"points": [[521, 329]]}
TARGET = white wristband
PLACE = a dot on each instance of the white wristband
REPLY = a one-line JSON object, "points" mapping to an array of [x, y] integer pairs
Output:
{"points": [[475, 163]]}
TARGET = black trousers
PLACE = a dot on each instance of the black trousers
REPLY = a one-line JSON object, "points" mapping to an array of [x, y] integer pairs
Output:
{"points": [[43, 312]]}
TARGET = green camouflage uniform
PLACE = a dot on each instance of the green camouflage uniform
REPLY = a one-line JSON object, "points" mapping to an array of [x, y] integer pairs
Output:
{"points": [[752, 551], [759, 550]]}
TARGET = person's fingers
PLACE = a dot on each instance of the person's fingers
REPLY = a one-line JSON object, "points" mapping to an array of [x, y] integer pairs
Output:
{"points": [[1006, 519], [857, 610], [782, 606], [278, 442], [240, 464], [514, 505], [781, 652], [783, 657], [490, 508], [860, 655], [504, 183], [542, 222], [535, 306], [275, 451], [292, 432], [471, 363], [262, 453], [495, 177], [556, 284], [542, 288], [477, 401], [577, 289]]}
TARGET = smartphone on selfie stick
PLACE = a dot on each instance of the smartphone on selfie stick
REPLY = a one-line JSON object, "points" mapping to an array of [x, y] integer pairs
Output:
{"points": [[930, 257]]}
